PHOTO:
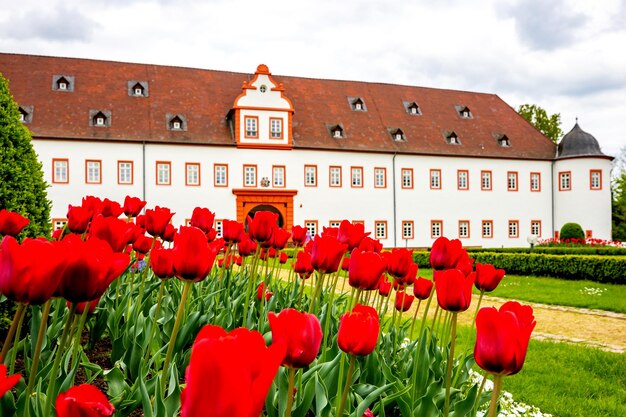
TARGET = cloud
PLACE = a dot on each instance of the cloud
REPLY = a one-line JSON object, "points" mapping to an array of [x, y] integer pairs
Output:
{"points": [[60, 24]]}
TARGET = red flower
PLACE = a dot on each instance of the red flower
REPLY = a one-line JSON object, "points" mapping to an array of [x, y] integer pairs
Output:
{"points": [[283, 257], [326, 254], [111, 208], [399, 262], [169, 234], [11, 223], [83, 401], [157, 220], [143, 244], [365, 269], [299, 235], [358, 331], [422, 288], [7, 382], [80, 307], [232, 231], [502, 337], [409, 278], [445, 253], [370, 245], [114, 231], [262, 292], [92, 204], [91, 266], [345, 264], [241, 370], [330, 231], [162, 262], [193, 256], [133, 206], [300, 332], [351, 234], [280, 237], [384, 287], [303, 266], [403, 301], [261, 227], [30, 272], [464, 264], [203, 219], [454, 289], [488, 277], [246, 246], [368, 413], [78, 219]]}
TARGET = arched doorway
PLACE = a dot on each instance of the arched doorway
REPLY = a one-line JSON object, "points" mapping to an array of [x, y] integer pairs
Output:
{"points": [[250, 201], [265, 207]]}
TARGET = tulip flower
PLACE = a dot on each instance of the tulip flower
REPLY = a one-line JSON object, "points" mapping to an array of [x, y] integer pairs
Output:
{"points": [[156, 220], [299, 235], [6, 382], [403, 301], [11, 223], [232, 231], [422, 288], [384, 287], [133, 206], [454, 290], [143, 244], [300, 332], [445, 253], [488, 277], [409, 278], [92, 204], [399, 262], [280, 237], [111, 208], [330, 231], [246, 246], [78, 219], [114, 231], [351, 234], [261, 227], [283, 258], [203, 219], [345, 264], [193, 256], [303, 266], [261, 292], [358, 331], [368, 413], [365, 270], [162, 263], [241, 367], [83, 401], [326, 254], [370, 245], [170, 233]]}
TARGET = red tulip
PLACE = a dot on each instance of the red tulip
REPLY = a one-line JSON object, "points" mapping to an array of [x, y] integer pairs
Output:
{"points": [[262, 292], [143, 244], [83, 401], [246, 246], [162, 262], [114, 231], [111, 208], [409, 278], [57, 234], [30, 271], [303, 266], [203, 219], [6, 382], [351, 234], [368, 413], [283, 258], [300, 332], [330, 231], [11, 223], [133, 206], [465, 264], [169, 234], [280, 237], [422, 288], [384, 287], [91, 266], [488, 277], [445, 253], [140, 221], [232, 231], [399, 262], [299, 235], [241, 370], [78, 219], [193, 256], [358, 331], [326, 254], [370, 245], [403, 301], [454, 289], [92, 204], [157, 220], [365, 269], [261, 227], [502, 337]]}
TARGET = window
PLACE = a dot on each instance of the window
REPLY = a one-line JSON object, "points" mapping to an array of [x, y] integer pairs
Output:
{"points": [[192, 176], [311, 227], [565, 183], [595, 179], [380, 229], [397, 135], [60, 171], [336, 131], [219, 228], [335, 177], [220, 175], [464, 229], [100, 118], [124, 172], [163, 173], [504, 141], [310, 176], [452, 139], [278, 176], [513, 228], [138, 89], [511, 181], [588, 234], [485, 180], [334, 223], [380, 177], [535, 181], [26, 114], [436, 229], [276, 128], [407, 177], [464, 112], [462, 177], [58, 224], [92, 172], [487, 228], [435, 179], [249, 175], [357, 103], [407, 229], [412, 108], [176, 123], [63, 83], [356, 173], [535, 227], [252, 123]]}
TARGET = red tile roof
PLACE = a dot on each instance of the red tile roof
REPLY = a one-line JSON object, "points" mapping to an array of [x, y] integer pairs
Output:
{"points": [[205, 97]]}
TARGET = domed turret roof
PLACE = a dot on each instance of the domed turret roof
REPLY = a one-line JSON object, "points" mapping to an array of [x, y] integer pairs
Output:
{"points": [[577, 142]]}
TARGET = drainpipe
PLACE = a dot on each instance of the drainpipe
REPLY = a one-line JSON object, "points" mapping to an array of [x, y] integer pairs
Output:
{"points": [[552, 196], [395, 226], [143, 169]]}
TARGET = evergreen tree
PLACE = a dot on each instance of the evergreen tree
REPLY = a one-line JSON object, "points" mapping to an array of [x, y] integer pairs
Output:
{"points": [[618, 191], [22, 187], [549, 125]]}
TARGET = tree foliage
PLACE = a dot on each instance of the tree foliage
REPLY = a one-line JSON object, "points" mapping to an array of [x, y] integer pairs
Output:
{"points": [[618, 191], [549, 125], [22, 187], [572, 231]]}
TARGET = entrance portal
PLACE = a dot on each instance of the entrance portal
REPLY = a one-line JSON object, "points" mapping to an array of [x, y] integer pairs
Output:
{"points": [[265, 207], [250, 201]]}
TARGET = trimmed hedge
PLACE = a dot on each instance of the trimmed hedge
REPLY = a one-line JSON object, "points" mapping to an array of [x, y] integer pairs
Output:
{"points": [[559, 250]]}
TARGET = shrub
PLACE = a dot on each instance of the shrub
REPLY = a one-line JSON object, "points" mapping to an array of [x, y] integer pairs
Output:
{"points": [[572, 231]]}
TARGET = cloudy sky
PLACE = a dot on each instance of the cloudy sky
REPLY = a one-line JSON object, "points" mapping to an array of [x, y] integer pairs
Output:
{"points": [[567, 56]]}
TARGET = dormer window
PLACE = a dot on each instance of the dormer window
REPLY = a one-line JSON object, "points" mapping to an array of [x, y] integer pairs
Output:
{"points": [[99, 119], [452, 139], [357, 104], [336, 132], [137, 88], [504, 141], [63, 83], [412, 108], [22, 115], [464, 112], [176, 123], [25, 113], [397, 135]]}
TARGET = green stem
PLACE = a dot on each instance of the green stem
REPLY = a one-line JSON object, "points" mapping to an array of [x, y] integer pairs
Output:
{"points": [[346, 387], [355, 298], [32, 376], [79, 331], [301, 292], [480, 391], [340, 382], [251, 282], [19, 312], [415, 317], [157, 311], [318, 290], [172, 342], [292, 382], [425, 315], [497, 386], [446, 408], [480, 299]]}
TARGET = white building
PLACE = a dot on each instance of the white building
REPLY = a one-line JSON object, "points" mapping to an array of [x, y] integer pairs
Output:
{"points": [[411, 163]]}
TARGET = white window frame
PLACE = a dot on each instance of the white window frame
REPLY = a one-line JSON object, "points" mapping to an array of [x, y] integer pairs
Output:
{"points": [[278, 176], [94, 172], [192, 174], [249, 176]]}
